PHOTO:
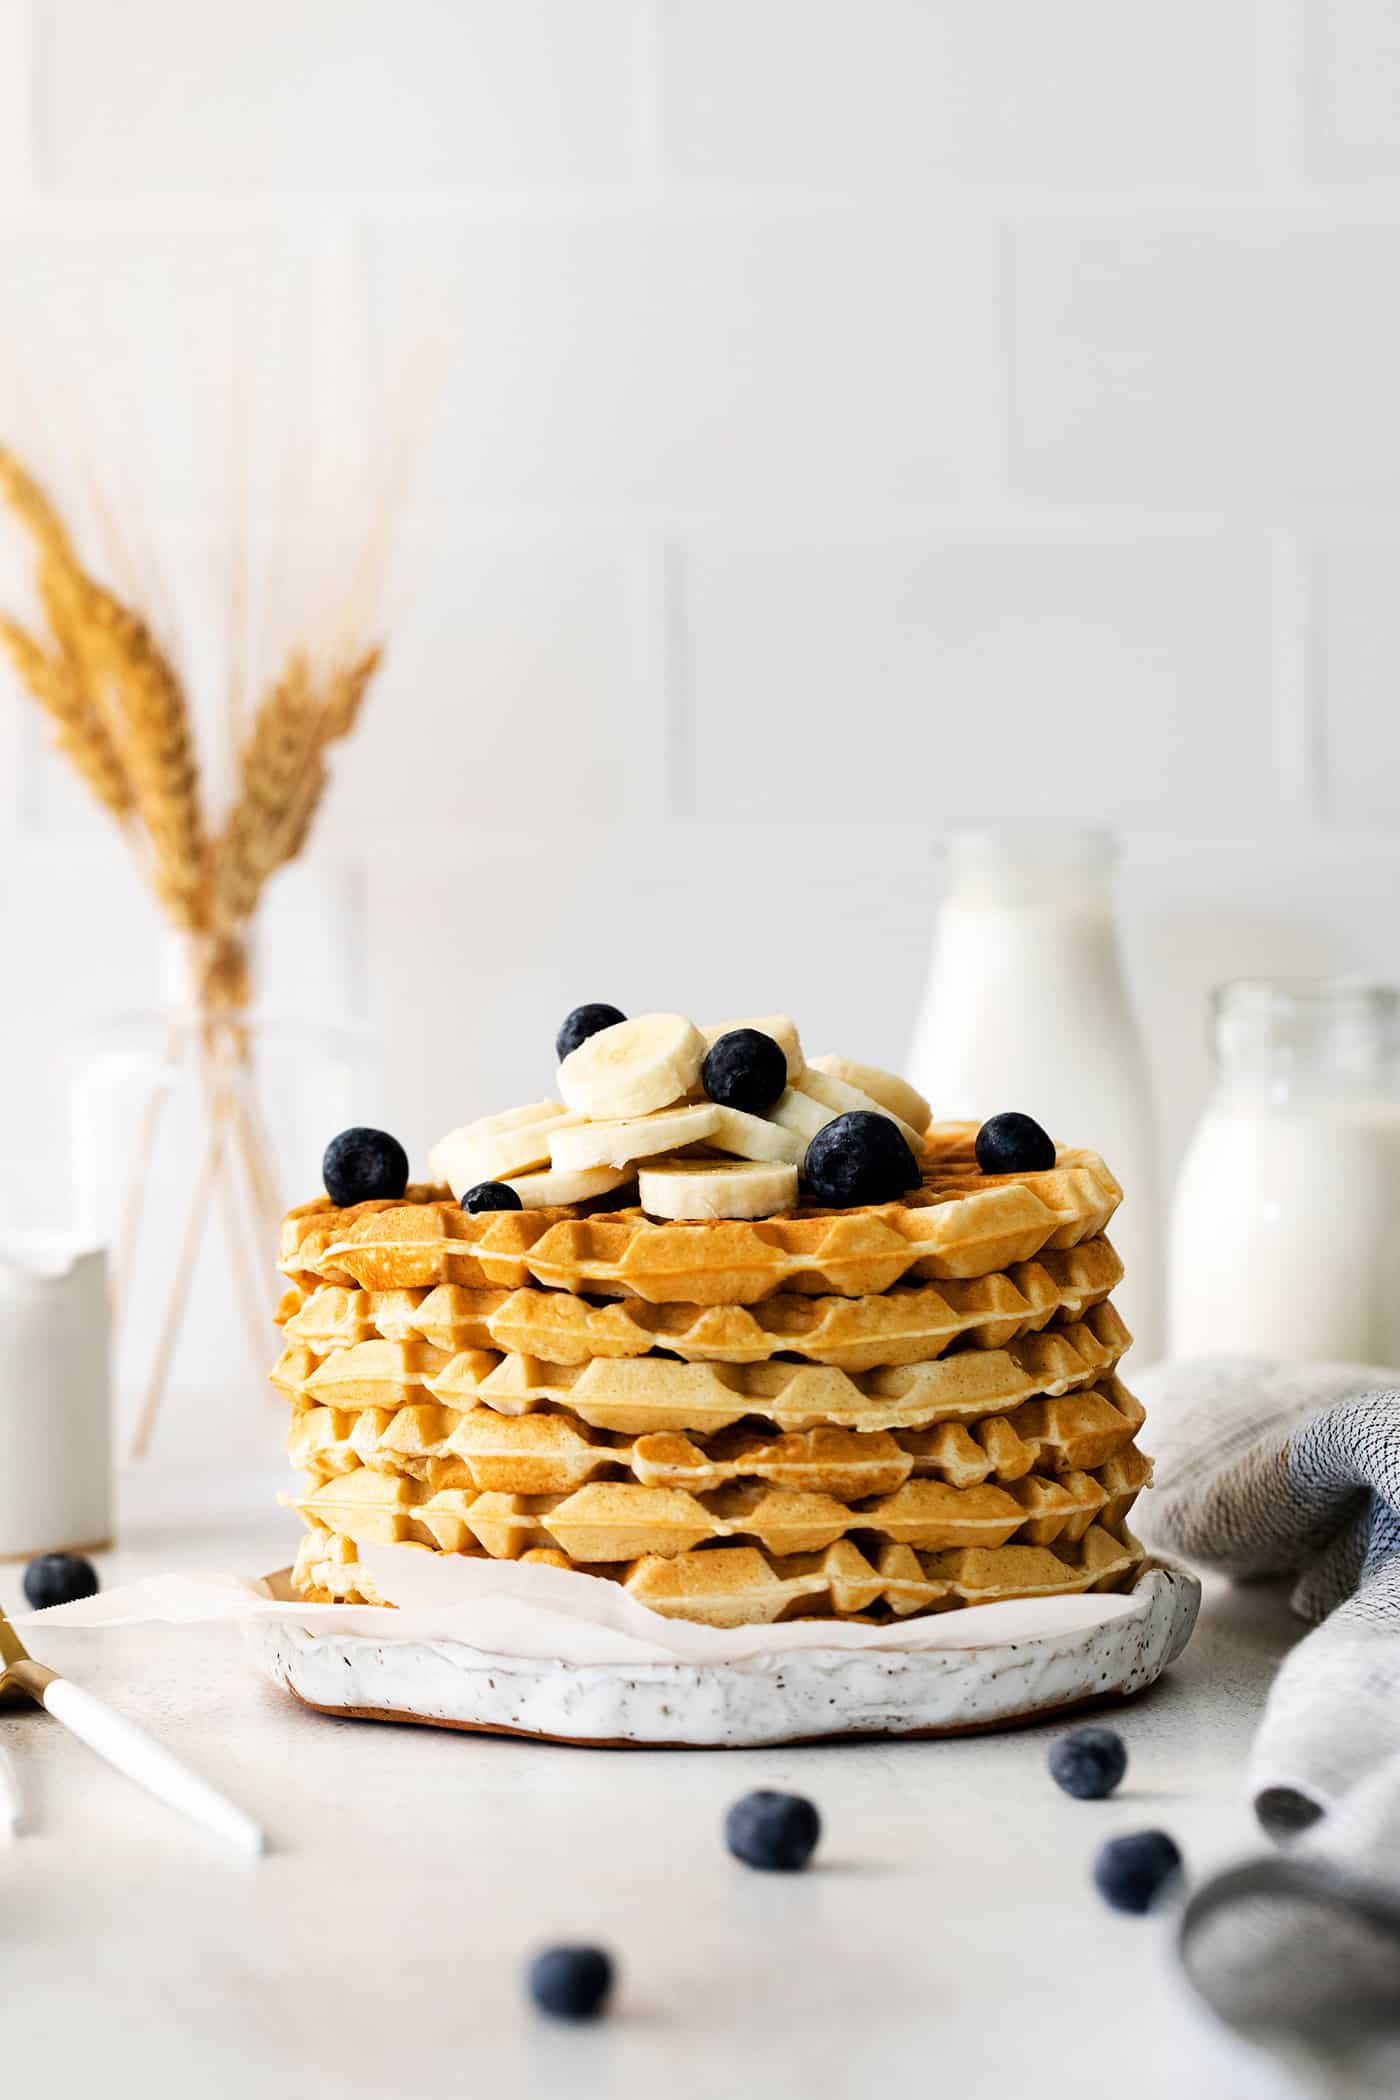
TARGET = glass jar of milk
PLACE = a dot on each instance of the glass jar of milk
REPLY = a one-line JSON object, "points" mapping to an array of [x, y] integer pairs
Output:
{"points": [[1027, 1007], [1285, 1237]]}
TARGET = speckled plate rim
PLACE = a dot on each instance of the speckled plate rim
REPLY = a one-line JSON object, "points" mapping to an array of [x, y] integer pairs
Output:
{"points": [[793, 1696]]}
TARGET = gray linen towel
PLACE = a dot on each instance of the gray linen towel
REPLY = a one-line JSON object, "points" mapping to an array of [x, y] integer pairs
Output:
{"points": [[1269, 1469]]}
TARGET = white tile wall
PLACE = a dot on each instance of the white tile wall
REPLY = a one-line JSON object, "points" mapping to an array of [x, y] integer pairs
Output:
{"points": [[847, 420], [157, 348], [326, 96], [1357, 59], [920, 91], [1234, 357], [1358, 659], [16, 101], [1031, 675], [520, 679], [687, 355]]}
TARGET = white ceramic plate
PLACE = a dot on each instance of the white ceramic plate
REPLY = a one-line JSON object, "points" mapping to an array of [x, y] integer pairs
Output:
{"points": [[800, 1695]]}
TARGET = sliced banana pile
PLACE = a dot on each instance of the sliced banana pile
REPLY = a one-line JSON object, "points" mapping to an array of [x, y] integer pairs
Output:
{"points": [[708, 1122]]}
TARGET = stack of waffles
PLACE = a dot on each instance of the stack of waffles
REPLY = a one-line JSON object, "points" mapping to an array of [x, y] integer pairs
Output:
{"points": [[863, 1412]]}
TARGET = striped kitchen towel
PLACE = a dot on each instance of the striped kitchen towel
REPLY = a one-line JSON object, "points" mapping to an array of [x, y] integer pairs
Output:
{"points": [[1273, 1469]]}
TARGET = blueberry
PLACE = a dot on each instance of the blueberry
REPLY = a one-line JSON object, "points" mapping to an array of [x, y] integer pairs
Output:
{"points": [[571, 1983], [859, 1158], [491, 1195], [364, 1166], [1090, 1763], [1130, 1871], [59, 1578], [777, 1832], [745, 1069], [583, 1022], [1014, 1144]]}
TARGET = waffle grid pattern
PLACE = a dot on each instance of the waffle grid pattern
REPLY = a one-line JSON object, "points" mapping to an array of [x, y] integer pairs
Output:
{"points": [[863, 1414], [743, 1585], [657, 1392], [910, 1323], [548, 1453], [959, 1224]]}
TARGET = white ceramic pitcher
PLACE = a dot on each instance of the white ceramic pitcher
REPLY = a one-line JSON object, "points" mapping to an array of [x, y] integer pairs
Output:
{"points": [[55, 1399]]}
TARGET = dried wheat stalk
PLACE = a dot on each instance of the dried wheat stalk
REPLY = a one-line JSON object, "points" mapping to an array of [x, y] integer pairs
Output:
{"points": [[347, 693], [120, 715], [280, 751], [79, 730], [23, 496], [342, 711], [282, 776], [62, 593], [149, 702], [63, 682]]}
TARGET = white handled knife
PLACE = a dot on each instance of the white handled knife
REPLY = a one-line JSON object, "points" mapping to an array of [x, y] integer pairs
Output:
{"points": [[123, 1745]]}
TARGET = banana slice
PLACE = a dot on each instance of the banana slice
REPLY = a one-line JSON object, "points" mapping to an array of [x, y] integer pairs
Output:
{"points": [[707, 1191], [566, 1185], [841, 1099], [799, 1114], [754, 1137], [633, 1067], [781, 1027], [886, 1089], [637, 1137], [495, 1147], [513, 1118]]}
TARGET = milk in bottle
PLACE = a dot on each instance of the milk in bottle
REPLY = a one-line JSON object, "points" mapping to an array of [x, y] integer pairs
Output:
{"points": [[1285, 1237], [1027, 1008]]}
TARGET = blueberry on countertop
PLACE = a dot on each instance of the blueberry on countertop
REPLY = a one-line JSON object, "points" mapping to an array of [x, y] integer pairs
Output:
{"points": [[491, 1195], [1130, 1872], [745, 1069], [364, 1166], [1014, 1144], [859, 1158], [777, 1832], [59, 1578], [571, 1983], [583, 1022], [1090, 1763]]}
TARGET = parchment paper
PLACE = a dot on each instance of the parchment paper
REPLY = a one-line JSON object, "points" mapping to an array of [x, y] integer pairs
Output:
{"points": [[527, 1612]]}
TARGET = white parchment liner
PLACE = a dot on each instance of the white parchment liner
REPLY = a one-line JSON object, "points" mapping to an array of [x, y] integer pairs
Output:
{"points": [[526, 1612]]}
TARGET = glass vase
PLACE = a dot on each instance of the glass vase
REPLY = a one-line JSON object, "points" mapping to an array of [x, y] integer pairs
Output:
{"points": [[193, 1124]]}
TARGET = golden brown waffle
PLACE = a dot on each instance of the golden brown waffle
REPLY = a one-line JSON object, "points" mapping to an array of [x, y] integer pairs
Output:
{"points": [[743, 1585], [612, 1520], [551, 1454], [638, 1394], [910, 1323], [959, 1223]]}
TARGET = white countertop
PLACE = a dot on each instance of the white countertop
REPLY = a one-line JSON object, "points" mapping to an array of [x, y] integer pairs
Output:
{"points": [[948, 1939]]}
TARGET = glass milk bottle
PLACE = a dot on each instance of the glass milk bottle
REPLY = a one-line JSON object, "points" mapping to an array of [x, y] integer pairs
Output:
{"points": [[1285, 1233], [1027, 1008]]}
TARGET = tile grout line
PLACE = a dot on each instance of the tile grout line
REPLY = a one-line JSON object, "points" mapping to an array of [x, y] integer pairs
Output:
{"points": [[1298, 707], [657, 789], [23, 752], [659, 786], [679, 731], [1285, 111], [34, 59], [649, 98], [984, 351]]}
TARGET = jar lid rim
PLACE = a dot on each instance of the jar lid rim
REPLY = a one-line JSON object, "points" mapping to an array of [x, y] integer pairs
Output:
{"points": [[1065, 845], [1264, 996]]}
